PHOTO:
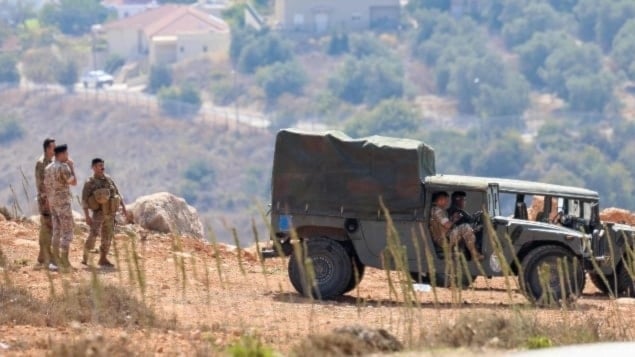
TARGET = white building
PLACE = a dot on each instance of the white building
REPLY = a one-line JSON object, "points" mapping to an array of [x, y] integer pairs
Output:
{"points": [[126, 8]]}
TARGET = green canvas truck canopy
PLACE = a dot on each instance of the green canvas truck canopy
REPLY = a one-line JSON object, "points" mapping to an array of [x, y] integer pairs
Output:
{"points": [[330, 173]]}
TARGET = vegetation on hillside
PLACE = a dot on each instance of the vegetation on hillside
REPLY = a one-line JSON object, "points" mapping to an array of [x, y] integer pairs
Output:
{"points": [[539, 89]]}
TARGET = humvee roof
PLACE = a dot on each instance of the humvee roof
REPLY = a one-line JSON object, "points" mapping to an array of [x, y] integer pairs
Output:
{"points": [[512, 186]]}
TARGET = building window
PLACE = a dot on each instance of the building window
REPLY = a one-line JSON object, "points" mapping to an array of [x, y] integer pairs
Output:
{"points": [[298, 20], [356, 16], [205, 48]]}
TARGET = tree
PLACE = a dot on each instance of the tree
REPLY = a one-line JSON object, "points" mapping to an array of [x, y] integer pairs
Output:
{"points": [[611, 17], [74, 17], [281, 78], [160, 76], [569, 61], [10, 129], [392, 117], [40, 65], [533, 53], [262, 50], [504, 105], [67, 75], [9, 69], [536, 17], [504, 157], [368, 80], [364, 45], [586, 14], [590, 92], [179, 102], [338, 44], [623, 52]]}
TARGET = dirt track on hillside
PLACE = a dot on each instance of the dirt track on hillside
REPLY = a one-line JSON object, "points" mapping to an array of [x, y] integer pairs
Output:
{"points": [[216, 309]]}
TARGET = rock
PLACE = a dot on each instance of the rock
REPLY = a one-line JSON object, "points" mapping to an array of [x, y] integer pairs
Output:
{"points": [[2, 218], [166, 213], [617, 215], [625, 301]]}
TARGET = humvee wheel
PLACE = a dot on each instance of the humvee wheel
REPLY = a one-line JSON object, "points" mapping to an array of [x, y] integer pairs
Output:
{"points": [[332, 269], [358, 274], [625, 283], [542, 269]]}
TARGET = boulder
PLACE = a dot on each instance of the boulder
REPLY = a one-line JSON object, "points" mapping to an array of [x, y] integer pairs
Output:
{"points": [[166, 213], [617, 215]]}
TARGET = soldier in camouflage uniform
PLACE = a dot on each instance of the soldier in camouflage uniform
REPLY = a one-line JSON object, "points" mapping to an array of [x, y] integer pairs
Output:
{"points": [[445, 231], [103, 217], [58, 177], [45, 257]]}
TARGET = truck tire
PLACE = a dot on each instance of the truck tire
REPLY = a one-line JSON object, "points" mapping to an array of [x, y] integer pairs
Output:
{"points": [[547, 256], [624, 283], [358, 268], [332, 269]]}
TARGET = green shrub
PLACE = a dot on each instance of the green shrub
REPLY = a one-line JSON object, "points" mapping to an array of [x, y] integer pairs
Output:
{"points": [[160, 76], [9, 69], [179, 102], [249, 347], [113, 63], [281, 78], [10, 129]]}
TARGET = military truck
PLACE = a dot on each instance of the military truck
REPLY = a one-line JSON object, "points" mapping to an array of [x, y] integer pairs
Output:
{"points": [[340, 203], [611, 267]]}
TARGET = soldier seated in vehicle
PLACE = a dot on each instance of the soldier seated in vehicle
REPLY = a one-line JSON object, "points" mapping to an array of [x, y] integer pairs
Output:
{"points": [[450, 231]]}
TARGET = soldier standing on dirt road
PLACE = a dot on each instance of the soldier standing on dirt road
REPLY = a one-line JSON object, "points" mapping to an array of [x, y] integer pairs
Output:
{"points": [[45, 257], [100, 195], [58, 177]]}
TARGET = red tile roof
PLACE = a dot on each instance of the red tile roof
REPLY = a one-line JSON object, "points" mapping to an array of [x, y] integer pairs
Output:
{"points": [[170, 20]]}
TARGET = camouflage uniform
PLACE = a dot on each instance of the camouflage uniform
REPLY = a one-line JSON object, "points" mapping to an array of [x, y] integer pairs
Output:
{"points": [[46, 224], [59, 196], [104, 217], [453, 235]]}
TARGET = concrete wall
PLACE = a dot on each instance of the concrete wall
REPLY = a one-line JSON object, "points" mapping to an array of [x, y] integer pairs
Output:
{"points": [[322, 16]]}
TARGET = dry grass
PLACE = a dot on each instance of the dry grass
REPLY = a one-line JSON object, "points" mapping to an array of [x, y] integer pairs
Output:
{"points": [[92, 345], [348, 341], [109, 306]]}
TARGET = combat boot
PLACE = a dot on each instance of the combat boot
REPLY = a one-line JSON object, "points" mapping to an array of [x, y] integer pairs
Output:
{"points": [[103, 260], [54, 262], [65, 264]]}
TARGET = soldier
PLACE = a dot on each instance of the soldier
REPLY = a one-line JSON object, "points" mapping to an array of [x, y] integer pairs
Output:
{"points": [[100, 195], [45, 257], [58, 177], [445, 230]]}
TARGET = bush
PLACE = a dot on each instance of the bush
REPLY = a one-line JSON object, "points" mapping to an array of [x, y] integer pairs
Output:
{"points": [[591, 92], [536, 17], [8, 69], [338, 44], [74, 17], [10, 129], [40, 65], [113, 63], [67, 75], [391, 118], [368, 80], [623, 52], [252, 50], [533, 53], [179, 102], [569, 61], [160, 76], [281, 78]]}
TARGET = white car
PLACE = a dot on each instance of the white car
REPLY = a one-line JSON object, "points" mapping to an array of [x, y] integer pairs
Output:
{"points": [[97, 79]]}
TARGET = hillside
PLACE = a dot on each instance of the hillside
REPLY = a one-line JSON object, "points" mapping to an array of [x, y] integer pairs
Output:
{"points": [[223, 172], [178, 296]]}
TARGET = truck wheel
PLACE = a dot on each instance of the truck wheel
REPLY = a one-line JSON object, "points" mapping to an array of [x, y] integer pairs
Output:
{"points": [[358, 268], [332, 269], [625, 283], [541, 274]]}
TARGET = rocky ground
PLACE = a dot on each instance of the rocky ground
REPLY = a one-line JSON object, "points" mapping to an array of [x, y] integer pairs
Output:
{"points": [[214, 296]]}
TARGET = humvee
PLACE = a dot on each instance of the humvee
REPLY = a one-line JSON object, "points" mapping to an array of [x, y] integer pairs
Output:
{"points": [[611, 267], [338, 203]]}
